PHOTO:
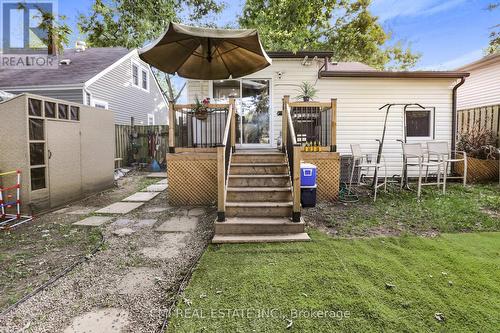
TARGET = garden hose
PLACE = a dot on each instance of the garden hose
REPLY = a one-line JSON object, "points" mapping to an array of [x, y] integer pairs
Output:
{"points": [[346, 195]]}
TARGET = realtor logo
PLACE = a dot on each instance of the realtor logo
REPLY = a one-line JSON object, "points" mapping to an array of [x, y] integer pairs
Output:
{"points": [[25, 39]]}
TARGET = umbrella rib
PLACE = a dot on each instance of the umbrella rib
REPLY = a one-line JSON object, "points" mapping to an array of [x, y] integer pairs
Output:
{"points": [[185, 59], [220, 55], [227, 41]]}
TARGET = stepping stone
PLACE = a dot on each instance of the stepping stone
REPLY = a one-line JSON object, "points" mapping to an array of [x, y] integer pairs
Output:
{"points": [[62, 210], [179, 224], [120, 208], [145, 223], [163, 181], [138, 281], [103, 320], [155, 188], [198, 211], [169, 247], [122, 222], [157, 175], [93, 221], [141, 196], [157, 209], [123, 232]]}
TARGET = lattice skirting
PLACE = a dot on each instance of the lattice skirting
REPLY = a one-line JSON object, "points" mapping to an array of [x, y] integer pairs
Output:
{"points": [[328, 174], [192, 179], [479, 170]]}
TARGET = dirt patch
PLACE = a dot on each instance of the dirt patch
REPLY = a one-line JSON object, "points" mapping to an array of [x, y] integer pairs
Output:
{"points": [[104, 320]]}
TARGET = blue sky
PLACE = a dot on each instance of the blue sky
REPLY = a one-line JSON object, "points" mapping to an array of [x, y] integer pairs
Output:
{"points": [[447, 33]]}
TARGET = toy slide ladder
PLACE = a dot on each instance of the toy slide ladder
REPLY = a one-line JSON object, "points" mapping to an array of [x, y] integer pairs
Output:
{"points": [[8, 221]]}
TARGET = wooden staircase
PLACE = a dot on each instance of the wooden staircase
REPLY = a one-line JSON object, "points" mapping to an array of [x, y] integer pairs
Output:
{"points": [[259, 200]]}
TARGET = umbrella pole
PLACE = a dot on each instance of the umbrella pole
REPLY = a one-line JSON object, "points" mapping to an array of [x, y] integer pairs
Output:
{"points": [[381, 142]]}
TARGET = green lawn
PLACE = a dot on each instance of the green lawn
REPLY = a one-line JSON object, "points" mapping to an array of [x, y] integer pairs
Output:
{"points": [[377, 284], [397, 212]]}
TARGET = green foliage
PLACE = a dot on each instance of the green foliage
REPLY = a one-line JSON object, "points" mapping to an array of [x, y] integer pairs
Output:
{"points": [[127, 24], [494, 43], [307, 91], [346, 28]]}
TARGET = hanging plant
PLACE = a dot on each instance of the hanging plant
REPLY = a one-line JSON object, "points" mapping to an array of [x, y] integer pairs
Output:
{"points": [[200, 109]]}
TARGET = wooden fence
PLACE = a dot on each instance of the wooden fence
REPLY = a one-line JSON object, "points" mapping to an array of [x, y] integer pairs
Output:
{"points": [[483, 117], [132, 143]]}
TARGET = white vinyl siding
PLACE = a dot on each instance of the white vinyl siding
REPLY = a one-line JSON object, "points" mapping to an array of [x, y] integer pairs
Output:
{"points": [[358, 101], [481, 88]]}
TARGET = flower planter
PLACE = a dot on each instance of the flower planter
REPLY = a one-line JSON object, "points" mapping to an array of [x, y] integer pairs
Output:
{"points": [[478, 170]]}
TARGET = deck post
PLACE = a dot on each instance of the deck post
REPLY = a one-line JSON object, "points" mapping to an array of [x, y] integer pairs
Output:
{"points": [[232, 102], [221, 190], [286, 100], [333, 139], [296, 183], [171, 127]]}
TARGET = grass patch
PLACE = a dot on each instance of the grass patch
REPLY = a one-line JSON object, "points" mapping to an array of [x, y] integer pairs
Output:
{"points": [[473, 208], [145, 182], [453, 274]]}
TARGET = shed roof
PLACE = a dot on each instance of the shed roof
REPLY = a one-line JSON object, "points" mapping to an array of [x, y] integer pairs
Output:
{"points": [[84, 65]]}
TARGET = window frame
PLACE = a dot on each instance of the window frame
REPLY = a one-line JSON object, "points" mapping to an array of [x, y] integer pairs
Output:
{"points": [[141, 69], [432, 127], [100, 102]]}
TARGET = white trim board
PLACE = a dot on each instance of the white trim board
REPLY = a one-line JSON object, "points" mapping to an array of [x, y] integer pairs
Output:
{"points": [[109, 68]]}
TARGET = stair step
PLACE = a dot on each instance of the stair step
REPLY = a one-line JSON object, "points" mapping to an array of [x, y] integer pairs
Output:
{"points": [[258, 158], [259, 189], [258, 225], [259, 194], [259, 180], [259, 209], [259, 164], [258, 168], [260, 204], [260, 238]]}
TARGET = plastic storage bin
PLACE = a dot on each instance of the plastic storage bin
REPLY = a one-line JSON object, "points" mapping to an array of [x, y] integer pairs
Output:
{"points": [[308, 196], [307, 174]]}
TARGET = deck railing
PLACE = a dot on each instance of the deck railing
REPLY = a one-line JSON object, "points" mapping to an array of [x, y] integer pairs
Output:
{"points": [[190, 132], [293, 151], [314, 122], [224, 153]]}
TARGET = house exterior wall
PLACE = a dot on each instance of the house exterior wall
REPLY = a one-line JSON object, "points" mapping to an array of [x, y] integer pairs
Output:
{"points": [[124, 99], [358, 101], [482, 88], [70, 95]]}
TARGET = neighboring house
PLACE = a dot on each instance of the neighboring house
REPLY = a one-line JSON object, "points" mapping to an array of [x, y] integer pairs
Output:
{"points": [[482, 88], [359, 90], [110, 78]]}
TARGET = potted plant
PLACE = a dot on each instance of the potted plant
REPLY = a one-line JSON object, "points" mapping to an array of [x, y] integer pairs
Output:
{"points": [[200, 109], [482, 155], [307, 91]]}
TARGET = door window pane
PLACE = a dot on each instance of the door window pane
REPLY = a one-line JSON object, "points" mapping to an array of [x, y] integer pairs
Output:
{"points": [[75, 113], [35, 107], [63, 111], [36, 129], [37, 153], [37, 178], [418, 123], [50, 110], [255, 111]]}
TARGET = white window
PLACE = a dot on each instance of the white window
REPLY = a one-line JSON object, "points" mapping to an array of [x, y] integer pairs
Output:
{"points": [[140, 76], [97, 103], [419, 123], [151, 119]]}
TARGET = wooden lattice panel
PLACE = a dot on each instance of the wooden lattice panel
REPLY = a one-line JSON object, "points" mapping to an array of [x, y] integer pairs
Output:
{"points": [[192, 179], [328, 174], [479, 170]]}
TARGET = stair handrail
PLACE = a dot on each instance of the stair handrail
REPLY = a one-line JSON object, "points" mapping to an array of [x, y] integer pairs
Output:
{"points": [[224, 153]]}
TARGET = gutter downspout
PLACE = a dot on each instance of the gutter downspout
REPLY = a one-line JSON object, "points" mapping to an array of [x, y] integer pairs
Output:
{"points": [[454, 115]]}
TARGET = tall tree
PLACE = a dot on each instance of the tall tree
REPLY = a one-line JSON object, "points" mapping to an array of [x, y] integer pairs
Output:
{"points": [[130, 24], [347, 28], [494, 43]]}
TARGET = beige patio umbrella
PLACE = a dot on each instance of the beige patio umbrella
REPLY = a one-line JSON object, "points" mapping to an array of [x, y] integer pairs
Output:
{"points": [[206, 54]]}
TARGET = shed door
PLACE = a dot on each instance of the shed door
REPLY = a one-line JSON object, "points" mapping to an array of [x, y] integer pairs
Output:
{"points": [[63, 143]]}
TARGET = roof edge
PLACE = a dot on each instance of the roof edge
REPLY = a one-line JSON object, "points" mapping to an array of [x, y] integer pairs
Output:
{"points": [[388, 74], [300, 54], [492, 58]]}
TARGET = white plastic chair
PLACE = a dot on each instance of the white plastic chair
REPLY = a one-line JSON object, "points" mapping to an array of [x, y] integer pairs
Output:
{"points": [[366, 162], [439, 151], [413, 155]]}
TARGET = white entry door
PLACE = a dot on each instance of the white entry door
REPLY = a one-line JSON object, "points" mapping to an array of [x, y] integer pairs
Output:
{"points": [[253, 104], [63, 143]]}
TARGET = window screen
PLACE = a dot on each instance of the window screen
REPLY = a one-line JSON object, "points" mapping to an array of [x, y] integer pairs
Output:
{"points": [[36, 129], [50, 110], [63, 111], [144, 80], [37, 178], [135, 75], [418, 123], [35, 107], [75, 113], [37, 153]]}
